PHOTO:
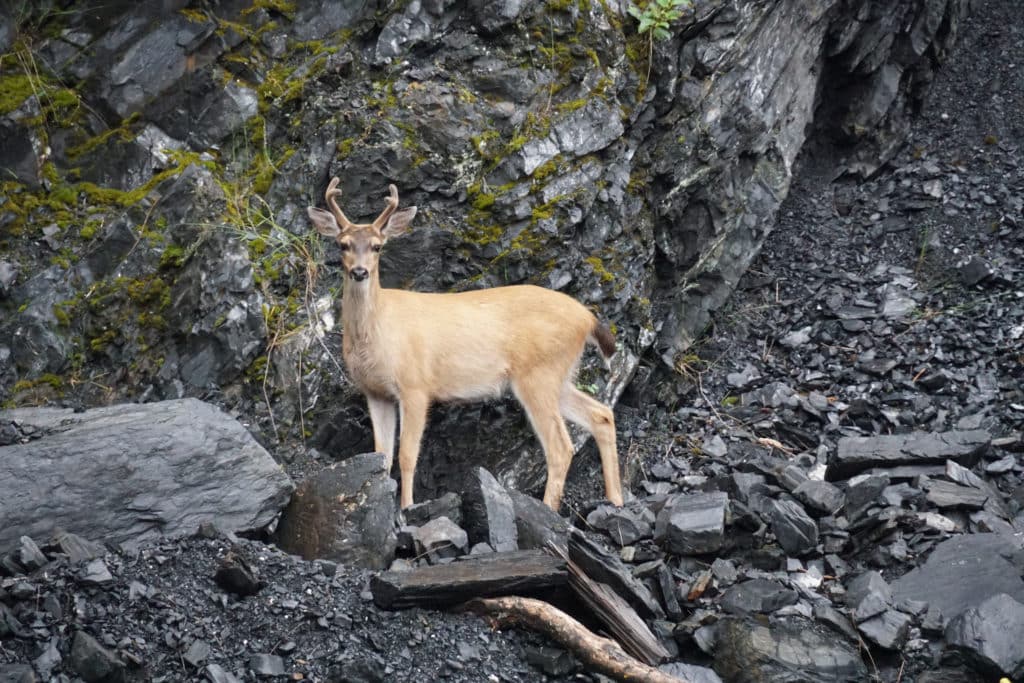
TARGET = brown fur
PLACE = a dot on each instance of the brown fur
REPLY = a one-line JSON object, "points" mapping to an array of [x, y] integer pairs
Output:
{"points": [[406, 350]]}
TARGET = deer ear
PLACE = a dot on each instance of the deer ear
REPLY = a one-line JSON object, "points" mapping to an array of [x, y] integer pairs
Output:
{"points": [[399, 222], [324, 222]]}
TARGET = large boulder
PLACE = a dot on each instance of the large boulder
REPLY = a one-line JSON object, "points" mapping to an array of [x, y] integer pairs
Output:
{"points": [[133, 472], [344, 513]]}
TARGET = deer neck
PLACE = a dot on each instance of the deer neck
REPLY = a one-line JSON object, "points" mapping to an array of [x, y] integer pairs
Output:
{"points": [[360, 309]]}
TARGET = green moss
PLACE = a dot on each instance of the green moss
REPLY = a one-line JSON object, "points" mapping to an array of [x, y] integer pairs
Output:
{"points": [[15, 89], [61, 314], [483, 201], [599, 269], [123, 132], [90, 228], [545, 170], [173, 256], [345, 147], [98, 344]]}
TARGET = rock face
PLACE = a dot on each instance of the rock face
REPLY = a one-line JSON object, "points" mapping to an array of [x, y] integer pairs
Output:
{"points": [[553, 153], [131, 473]]}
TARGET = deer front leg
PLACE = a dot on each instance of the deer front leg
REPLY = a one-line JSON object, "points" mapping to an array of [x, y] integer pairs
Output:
{"points": [[383, 416], [414, 418]]}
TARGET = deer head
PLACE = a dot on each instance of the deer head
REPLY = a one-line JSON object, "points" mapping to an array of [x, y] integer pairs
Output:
{"points": [[360, 243]]}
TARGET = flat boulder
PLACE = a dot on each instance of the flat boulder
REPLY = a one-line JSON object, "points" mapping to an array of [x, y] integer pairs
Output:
{"points": [[133, 472]]}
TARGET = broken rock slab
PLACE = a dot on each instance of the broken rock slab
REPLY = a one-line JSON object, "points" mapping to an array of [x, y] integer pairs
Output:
{"points": [[855, 454], [963, 572], [488, 514], [145, 471], [345, 513], [796, 532], [692, 523], [788, 649], [991, 636]]}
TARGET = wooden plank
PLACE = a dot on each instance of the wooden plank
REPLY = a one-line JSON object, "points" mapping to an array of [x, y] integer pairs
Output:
{"points": [[522, 572]]}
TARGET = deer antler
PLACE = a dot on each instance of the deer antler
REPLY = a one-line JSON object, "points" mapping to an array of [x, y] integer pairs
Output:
{"points": [[332, 192], [392, 200]]}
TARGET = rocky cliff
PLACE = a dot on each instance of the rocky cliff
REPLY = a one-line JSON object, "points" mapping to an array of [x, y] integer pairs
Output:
{"points": [[158, 159]]}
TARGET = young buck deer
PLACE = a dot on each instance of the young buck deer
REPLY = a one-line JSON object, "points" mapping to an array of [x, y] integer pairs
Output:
{"points": [[413, 349]]}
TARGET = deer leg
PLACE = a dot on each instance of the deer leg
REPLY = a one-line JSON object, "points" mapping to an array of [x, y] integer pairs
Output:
{"points": [[598, 419], [413, 410], [541, 405], [383, 416]]}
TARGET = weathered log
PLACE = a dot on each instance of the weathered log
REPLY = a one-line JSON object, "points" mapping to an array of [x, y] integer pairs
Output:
{"points": [[518, 572], [601, 655], [613, 611]]}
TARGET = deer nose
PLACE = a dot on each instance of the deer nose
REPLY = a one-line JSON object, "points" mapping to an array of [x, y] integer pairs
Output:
{"points": [[359, 274]]}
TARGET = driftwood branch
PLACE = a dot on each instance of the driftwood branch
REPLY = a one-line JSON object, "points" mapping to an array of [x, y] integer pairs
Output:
{"points": [[599, 654]]}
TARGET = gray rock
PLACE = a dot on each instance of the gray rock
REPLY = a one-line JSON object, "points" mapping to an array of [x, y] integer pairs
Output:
{"points": [[625, 525], [863, 492], [17, 673], [440, 538], [991, 635], [757, 596], [946, 494], [147, 470], [449, 505], [267, 666], [345, 513], [30, 556], [536, 523], [692, 523], [865, 585], [820, 496], [887, 630], [963, 572], [796, 532], [857, 453], [787, 649], [691, 673], [93, 662], [488, 513]]}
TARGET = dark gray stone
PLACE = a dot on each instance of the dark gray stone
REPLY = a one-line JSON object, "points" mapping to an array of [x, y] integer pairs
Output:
{"points": [[887, 630], [30, 556], [820, 496], [17, 673], [947, 494], [440, 538], [93, 662], [147, 470], [757, 596], [796, 532], [625, 525], [488, 513], [867, 584], [267, 666], [691, 673], [345, 513], [857, 453], [991, 635], [863, 492], [449, 505], [962, 572], [788, 649], [536, 523], [692, 523]]}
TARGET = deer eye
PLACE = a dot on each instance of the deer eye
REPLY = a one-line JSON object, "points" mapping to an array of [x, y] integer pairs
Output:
{"points": [[345, 246], [376, 247]]}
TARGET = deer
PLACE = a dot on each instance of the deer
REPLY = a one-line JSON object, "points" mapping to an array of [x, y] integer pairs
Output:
{"points": [[406, 350]]}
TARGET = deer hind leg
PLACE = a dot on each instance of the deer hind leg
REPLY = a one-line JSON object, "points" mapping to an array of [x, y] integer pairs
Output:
{"points": [[383, 416], [413, 410], [598, 419], [540, 400]]}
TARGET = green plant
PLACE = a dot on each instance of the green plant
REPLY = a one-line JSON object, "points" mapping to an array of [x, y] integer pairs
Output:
{"points": [[655, 17]]}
